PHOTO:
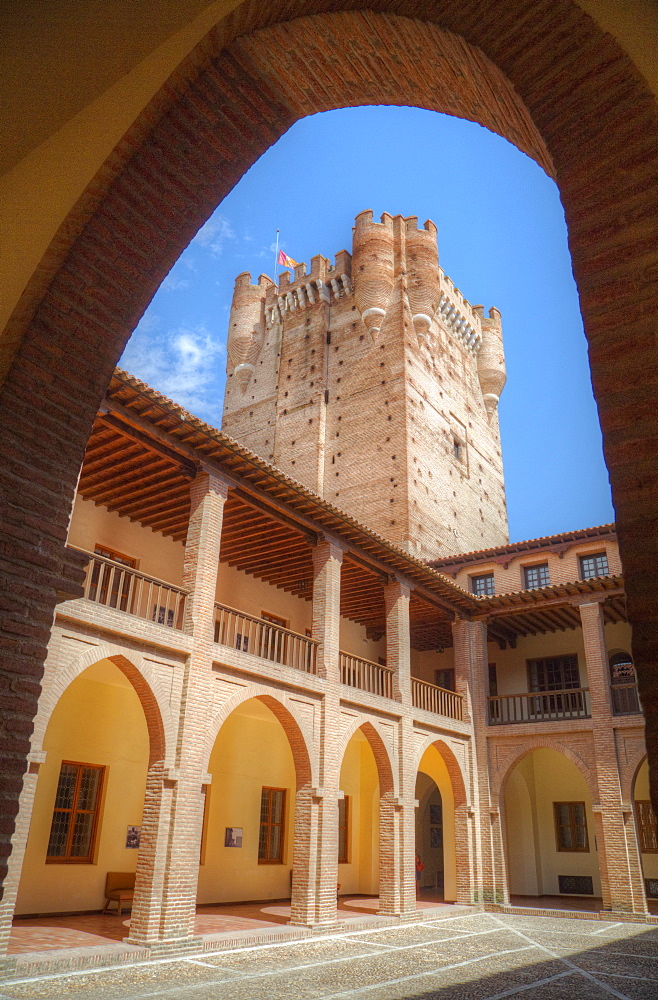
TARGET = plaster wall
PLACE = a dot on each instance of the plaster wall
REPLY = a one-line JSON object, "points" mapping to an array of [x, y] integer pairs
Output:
{"points": [[360, 782], [540, 779], [250, 753], [98, 720]]}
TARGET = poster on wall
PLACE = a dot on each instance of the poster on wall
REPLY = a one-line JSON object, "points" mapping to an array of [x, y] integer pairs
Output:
{"points": [[233, 836], [436, 836], [435, 815], [133, 836]]}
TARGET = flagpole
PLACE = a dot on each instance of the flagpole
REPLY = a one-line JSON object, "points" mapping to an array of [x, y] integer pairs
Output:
{"points": [[276, 257]]}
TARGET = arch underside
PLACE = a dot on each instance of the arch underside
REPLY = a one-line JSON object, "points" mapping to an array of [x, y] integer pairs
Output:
{"points": [[542, 74]]}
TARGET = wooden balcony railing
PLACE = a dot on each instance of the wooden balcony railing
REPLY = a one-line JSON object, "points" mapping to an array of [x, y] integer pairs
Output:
{"points": [[539, 706], [625, 700], [435, 699], [116, 586], [367, 676], [264, 639]]}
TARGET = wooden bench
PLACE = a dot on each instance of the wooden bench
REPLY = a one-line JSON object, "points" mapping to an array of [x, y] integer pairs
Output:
{"points": [[120, 888]]}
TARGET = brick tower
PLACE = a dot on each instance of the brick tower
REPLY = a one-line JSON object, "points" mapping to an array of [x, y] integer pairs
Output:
{"points": [[376, 384]]}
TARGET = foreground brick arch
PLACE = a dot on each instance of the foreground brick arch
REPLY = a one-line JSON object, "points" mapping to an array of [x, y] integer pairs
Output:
{"points": [[581, 102]]}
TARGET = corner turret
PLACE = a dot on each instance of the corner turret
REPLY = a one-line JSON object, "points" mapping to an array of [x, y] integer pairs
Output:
{"points": [[491, 358], [246, 331], [372, 268]]}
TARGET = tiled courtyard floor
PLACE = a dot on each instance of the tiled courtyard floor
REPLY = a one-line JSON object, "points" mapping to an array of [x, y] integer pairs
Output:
{"points": [[452, 956]]}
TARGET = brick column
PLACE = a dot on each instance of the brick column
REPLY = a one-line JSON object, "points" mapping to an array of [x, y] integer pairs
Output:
{"points": [[622, 886], [489, 874], [168, 867], [315, 870], [397, 812]]}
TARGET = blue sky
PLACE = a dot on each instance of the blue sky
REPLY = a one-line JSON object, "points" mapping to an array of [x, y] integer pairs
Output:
{"points": [[502, 240]]}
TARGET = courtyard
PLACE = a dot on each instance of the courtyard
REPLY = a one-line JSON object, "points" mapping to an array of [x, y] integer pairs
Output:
{"points": [[454, 953]]}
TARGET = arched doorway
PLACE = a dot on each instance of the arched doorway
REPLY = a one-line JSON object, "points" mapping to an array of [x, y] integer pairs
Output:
{"points": [[550, 838], [441, 838], [429, 837], [150, 198], [87, 813], [248, 839], [358, 853]]}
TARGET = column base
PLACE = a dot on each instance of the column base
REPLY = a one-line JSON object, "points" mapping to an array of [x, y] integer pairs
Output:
{"points": [[167, 946]]}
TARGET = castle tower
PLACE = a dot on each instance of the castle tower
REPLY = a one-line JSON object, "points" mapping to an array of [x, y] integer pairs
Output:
{"points": [[376, 384]]}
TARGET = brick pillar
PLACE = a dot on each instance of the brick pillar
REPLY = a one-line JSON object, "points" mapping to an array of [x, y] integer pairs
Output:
{"points": [[168, 867], [315, 870], [489, 875], [397, 813], [622, 886]]}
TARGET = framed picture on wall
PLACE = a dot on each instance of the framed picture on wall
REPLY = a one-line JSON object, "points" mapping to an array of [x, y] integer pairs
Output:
{"points": [[233, 836], [133, 836], [436, 836], [435, 815]]}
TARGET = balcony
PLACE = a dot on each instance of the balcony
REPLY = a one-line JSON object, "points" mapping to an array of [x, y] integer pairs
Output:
{"points": [[365, 675], [264, 639], [539, 706], [116, 586], [435, 699]]}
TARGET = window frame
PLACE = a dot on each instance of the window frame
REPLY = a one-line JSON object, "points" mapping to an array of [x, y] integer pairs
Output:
{"points": [[593, 555], [572, 826], [482, 576], [536, 567], [268, 860], [67, 858], [562, 658], [344, 829]]}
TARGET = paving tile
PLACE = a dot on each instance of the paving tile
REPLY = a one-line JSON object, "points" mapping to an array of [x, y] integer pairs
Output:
{"points": [[572, 944], [635, 989], [306, 953]]}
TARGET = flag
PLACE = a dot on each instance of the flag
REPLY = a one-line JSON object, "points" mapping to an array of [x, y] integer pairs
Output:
{"points": [[286, 261]]}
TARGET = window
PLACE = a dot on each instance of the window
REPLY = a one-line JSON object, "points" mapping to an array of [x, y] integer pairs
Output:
{"points": [[272, 813], [75, 817], [445, 678], [274, 619], [623, 684], [594, 565], [110, 585], [647, 827], [493, 681], [536, 576], [570, 826], [457, 449], [483, 586], [343, 830], [558, 673]]}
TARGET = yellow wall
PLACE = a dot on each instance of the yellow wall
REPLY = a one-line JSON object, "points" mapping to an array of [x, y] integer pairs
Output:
{"points": [[359, 780], [433, 765], [251, 751], [534, 863], [98, 720], [156, 555], [641, 791]]}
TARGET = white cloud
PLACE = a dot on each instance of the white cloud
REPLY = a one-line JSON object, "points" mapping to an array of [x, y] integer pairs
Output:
{"points": [[172, 283], [184, 364], [214, 234]]}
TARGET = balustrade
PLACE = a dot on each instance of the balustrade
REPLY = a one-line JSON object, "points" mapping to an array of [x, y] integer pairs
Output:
{"points": [[117, 586], [438, 700], [539, 706], [625, 700], [264, 639], [367, 676]]}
